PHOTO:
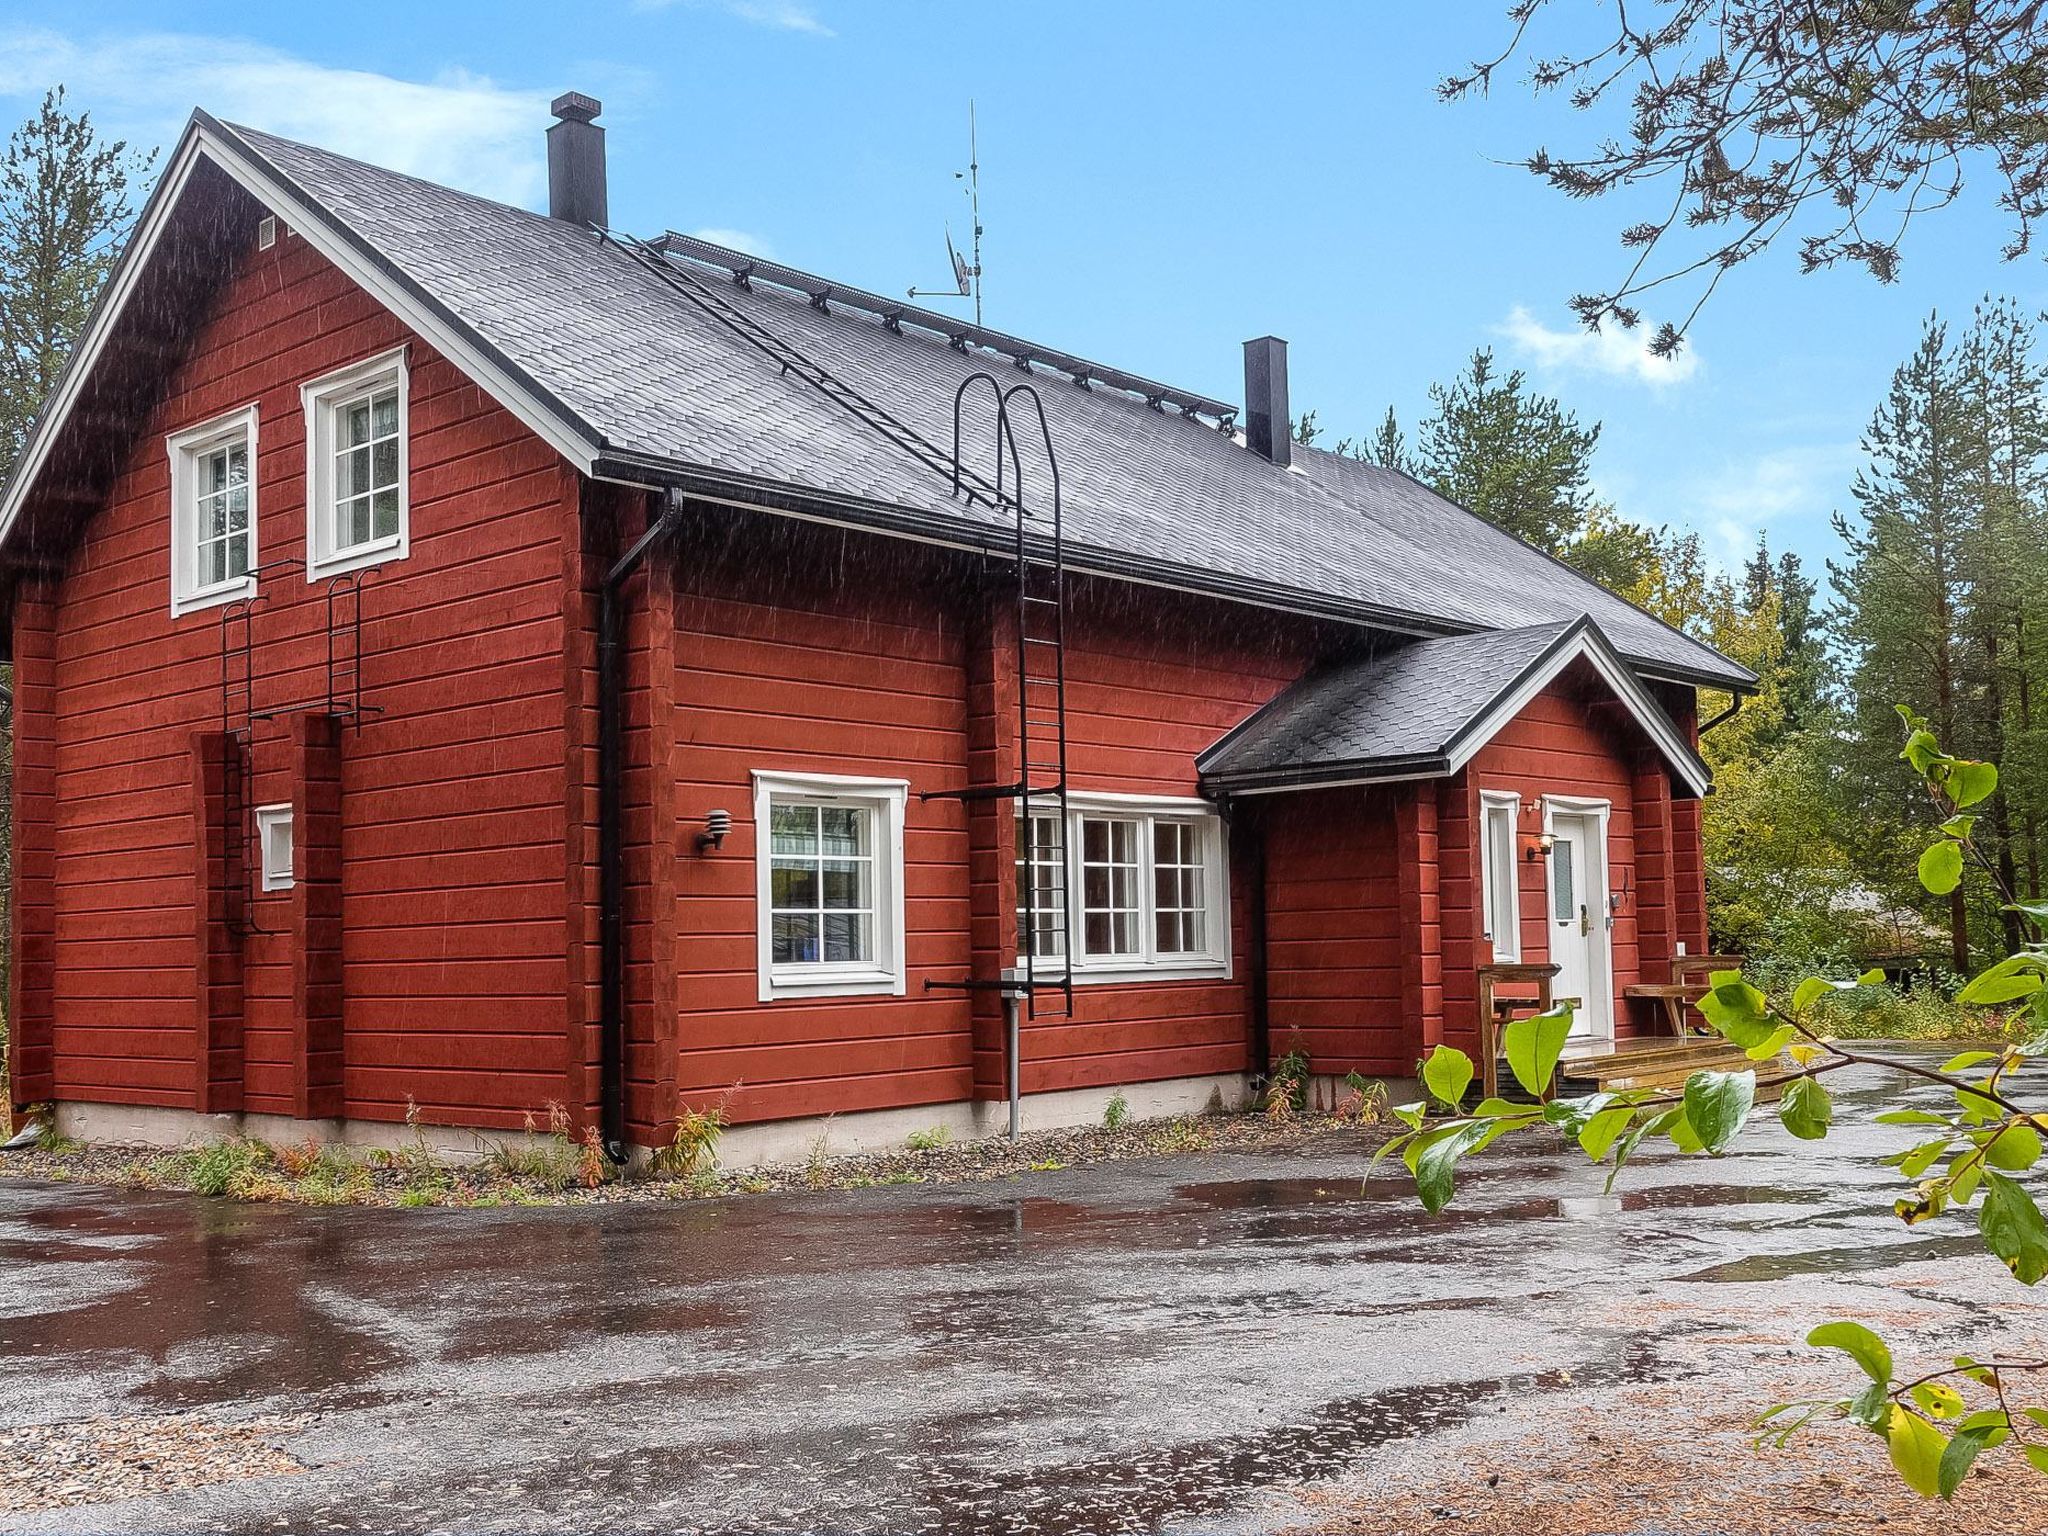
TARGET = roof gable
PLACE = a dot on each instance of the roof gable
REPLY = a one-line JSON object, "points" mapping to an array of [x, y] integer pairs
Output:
{"points": [[601, 357], [1425, 711]]}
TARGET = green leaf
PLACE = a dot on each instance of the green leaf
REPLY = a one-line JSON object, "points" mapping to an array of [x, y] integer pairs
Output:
{"points": [[1533, 1046], [1872, 1407], [2015, 1149], [1809, 992], [1438, 1157], [1806, 1111], [2035, 912], [1570, 1115], [2037, 1415], [1717, 1104], [1598, 1133], [1772, 1043], [1409, 1115], [1911, 1117], [1939, 1400], [1969, 782], [1921, 750], [1859, 1344], [1874, 977], [1915, 1161], [1955, 1461], [1941, 867], [1959, 827], [1447, 1074], [1738, 1011], [2012, 1228], [1917, 1448], [1966, 1060], [2013, 977], [2037, 1457]]}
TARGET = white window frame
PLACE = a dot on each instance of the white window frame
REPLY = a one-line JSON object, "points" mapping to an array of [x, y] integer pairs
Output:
{"points": [[887, 799], [1496, 805], [185, 449], [276, 875], [1215, 958], [324, 399]]}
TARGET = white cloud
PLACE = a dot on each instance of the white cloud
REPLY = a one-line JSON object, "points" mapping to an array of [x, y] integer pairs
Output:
{"points": [[1612, 351], [782, 15], [739, 240], [1786, 485], [460, 129]]}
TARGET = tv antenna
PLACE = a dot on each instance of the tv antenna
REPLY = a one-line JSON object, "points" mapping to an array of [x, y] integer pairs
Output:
{"points": [[966, 275]]}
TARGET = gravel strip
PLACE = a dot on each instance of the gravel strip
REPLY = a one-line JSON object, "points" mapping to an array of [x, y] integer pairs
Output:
{"points": [[98, 1461]]}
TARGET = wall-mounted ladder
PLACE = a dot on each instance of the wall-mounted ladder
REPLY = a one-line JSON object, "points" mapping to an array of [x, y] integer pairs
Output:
{"points": [[1045, 896]]}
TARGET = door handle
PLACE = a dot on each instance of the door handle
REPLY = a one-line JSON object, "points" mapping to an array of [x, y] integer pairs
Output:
{"points": [[1585, 920]]}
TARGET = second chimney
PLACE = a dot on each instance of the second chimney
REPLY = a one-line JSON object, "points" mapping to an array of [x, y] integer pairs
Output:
{"points": [[576, 191], [1268, 428]]}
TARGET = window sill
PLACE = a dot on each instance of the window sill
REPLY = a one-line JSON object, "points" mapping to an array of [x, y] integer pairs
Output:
{"points": [[212, 597], [796, 984], [360, 557], [1136, 972]]}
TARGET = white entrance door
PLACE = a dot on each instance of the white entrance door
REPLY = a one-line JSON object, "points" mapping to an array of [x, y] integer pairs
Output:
{"points": [[1578, 918]]}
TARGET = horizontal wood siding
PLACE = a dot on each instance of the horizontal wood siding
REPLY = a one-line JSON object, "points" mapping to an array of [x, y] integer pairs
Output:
{"points": [[1334, 952], [451, 800]]}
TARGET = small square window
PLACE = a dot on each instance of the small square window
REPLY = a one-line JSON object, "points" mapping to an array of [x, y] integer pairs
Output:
{"points": [[266, 232], [213, 512], [356, 466], [274, 845]]}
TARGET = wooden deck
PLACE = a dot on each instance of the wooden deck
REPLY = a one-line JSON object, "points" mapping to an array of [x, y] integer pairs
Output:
{"points": [[1658, 1061]]}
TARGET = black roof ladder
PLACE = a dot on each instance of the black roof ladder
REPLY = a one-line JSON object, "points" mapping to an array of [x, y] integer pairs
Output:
{"points": [[1045, 903]]}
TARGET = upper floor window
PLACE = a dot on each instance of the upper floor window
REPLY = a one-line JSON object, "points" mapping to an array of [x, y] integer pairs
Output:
{"points": [[356, 466], [213, 511]]}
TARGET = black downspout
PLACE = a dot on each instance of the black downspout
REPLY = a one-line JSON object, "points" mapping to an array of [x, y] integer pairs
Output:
{"points": [[611, 854], [1248, 834], [1734, 704]]}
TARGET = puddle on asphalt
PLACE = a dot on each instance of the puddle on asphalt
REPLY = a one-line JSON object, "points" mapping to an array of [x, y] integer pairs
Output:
{"points": [[1757, 1267]]}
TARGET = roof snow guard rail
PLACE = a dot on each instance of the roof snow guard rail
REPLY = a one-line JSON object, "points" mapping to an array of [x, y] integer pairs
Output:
{"points": [[895, 315]]}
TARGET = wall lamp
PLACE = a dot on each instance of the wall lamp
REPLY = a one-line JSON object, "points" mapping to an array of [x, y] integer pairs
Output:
{"points": [[716, 825], [1540, 846]]}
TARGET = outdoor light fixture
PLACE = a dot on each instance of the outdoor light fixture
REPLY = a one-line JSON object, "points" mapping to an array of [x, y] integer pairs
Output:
{"points": [[716, 825], [1540, 845]]}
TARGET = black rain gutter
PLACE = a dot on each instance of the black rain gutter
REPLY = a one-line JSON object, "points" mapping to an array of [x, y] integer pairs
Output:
{"points": [[1734, 704], [842, 510], [611, 850]]}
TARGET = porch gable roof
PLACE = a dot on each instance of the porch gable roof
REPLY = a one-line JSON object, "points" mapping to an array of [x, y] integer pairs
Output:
{"points": [[1424, 710]]}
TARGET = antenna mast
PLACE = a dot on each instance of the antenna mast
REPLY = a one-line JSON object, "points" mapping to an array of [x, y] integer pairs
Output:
{"points": [[966, 276]]}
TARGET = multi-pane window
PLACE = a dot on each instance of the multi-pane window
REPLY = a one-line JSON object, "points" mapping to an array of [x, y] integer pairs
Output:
{"points": [[356, 470], [1148, 887], [829, 858], [1179, 910], [366, 470], [222, 521], [821, 883], [274, 845], [213, 512], [1041, 887], [1499, 879], [1110, 904]]}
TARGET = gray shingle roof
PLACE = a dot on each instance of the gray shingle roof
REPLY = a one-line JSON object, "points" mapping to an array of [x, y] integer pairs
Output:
{"points": [[1415, 711], [647, 374]]}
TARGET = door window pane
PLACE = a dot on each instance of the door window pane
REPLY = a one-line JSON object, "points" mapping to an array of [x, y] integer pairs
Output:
{"points": [[1563, 881]]}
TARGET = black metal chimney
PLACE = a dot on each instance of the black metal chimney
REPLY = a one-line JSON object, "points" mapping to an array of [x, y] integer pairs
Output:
{"points": [[1268, 428], [576, 161]]}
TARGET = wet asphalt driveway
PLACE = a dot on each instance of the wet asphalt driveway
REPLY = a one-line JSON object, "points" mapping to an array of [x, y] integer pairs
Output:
{"points": [[1135, 1346]]}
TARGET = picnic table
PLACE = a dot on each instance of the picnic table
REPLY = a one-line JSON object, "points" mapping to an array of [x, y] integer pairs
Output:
{"points": [[1496, 1010], [1689, 983]]}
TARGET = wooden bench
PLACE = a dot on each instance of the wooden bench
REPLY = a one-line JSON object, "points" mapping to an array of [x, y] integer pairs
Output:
{"points": [[1689, 983], [1495, 1011]]}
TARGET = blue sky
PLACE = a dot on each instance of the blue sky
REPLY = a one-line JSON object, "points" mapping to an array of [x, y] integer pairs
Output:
{"points": [[1159, 183]]}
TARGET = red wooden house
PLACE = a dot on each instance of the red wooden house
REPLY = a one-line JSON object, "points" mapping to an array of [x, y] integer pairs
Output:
{"points": [[472, 659]]}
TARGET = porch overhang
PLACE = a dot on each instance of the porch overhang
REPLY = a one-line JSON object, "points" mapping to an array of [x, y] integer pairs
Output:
{"points": [[1424, 711]]}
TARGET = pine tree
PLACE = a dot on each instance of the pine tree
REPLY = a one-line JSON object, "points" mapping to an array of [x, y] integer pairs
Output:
{"points": [[1902, 589], [1514, 457], [64, 208]]}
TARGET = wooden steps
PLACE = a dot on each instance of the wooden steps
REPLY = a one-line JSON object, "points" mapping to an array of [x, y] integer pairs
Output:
{"points": [[1665, 1064]]}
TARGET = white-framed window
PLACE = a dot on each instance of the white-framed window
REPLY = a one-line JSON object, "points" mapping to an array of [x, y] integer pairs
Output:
{"points": [[1151, 888], [213, 511], [1499, 877], [274, 846], [829, 863], [357, 466]]}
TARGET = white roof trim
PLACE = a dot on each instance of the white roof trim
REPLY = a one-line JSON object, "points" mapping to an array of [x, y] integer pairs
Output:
{"points": [[1585, 642], [319, 229]]}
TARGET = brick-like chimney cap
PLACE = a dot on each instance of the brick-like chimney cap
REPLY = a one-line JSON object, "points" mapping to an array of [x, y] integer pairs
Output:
{"points": [[575, 107]]}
